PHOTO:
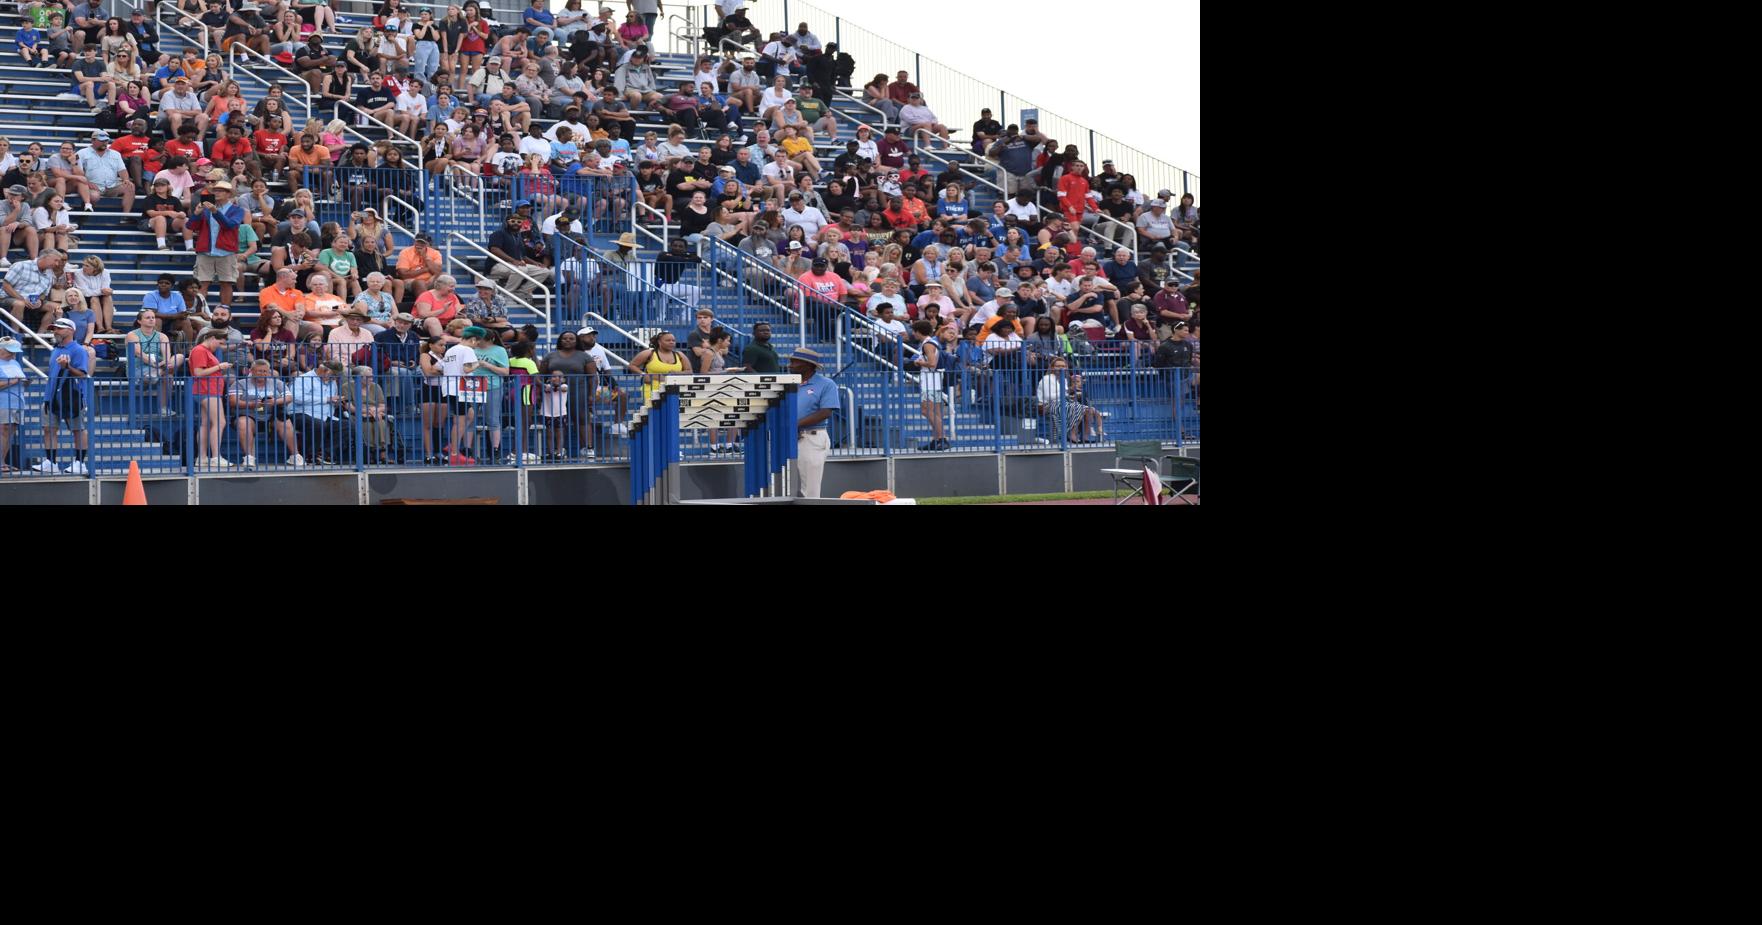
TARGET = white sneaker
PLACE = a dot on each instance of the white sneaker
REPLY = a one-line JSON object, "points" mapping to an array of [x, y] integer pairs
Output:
{"points": [[201, 462], [248, 463], [91, 208], [587, 453], [296, 460], [620, 430], [220, 462], [5, 264], [48, 467], [78, 468]]}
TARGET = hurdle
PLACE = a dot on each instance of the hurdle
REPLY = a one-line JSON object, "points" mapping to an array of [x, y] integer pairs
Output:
{"points": [[763, 407]]}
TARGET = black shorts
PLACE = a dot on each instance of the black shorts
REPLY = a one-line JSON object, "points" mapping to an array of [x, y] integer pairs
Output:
{"points": [[463, 407], [431, 394]]}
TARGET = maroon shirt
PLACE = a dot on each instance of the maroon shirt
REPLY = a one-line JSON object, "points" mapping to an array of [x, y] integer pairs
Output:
{"points": [[893, 153]]}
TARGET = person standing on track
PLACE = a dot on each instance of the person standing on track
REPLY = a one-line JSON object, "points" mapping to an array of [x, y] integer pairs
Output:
{"points": [[816, 399]]}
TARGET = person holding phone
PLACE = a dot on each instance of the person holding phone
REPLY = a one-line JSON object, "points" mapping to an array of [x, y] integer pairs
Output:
{"points": [[209, 391]]}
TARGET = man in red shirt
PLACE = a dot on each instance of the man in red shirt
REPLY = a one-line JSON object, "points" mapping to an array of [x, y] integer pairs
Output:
{"points": [[830, 290], [914, 171], [272, 149], [897, 216], [235, 145], [1073, 192], [901, 90], [131, 146], [186, 144]]}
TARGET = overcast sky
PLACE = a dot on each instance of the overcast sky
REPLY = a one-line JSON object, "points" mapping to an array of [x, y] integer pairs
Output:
{"points": [[1139, 47]]}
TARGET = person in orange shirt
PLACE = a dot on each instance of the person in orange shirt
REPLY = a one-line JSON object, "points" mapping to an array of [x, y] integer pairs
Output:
{"points": [[915, 207], [286, 297], [436, 307], [314, 161], [1006, 311], [418, 265]]}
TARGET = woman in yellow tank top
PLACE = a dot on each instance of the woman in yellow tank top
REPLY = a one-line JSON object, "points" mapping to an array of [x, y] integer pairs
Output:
{"points": [[656, 363]]}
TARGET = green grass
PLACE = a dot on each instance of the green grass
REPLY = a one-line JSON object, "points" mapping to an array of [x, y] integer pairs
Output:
{"points": [[1003, 499]]}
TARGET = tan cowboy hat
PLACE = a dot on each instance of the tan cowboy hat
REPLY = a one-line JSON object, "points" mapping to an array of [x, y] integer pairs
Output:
{"points": [[627, 239], [221, 185]]}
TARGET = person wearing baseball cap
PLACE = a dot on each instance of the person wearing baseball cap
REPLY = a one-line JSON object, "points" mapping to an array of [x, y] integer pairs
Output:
{"points": [[569, 219], [398, 348], [67, 400], [816, 398], [15, 217], [12, 384], [1155, 225], [419, 265], [461, 386]]}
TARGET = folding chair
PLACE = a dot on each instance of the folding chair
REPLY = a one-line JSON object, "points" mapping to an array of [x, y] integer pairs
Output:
{"points": [[1144, 452], [1180, 473]]}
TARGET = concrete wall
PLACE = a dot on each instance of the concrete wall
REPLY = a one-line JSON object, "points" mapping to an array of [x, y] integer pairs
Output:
{"points": [[951, 475], [589, 485], [23, 490], [926, 476], [501, 484]]}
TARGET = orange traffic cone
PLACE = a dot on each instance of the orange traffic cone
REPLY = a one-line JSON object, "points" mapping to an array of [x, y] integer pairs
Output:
{"points": [[135, 493]]}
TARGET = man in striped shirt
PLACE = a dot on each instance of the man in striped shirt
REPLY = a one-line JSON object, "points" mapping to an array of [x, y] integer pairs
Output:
{"points": [[28, 283]]}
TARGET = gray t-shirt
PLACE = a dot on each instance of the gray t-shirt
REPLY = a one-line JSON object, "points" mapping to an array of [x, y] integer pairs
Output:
{"points": [[761, 248], [1156, 227], [573, 364]]}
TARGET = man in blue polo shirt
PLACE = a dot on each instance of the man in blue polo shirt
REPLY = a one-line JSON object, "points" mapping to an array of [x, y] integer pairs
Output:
{"points": [[70, 391], [815, 400]]}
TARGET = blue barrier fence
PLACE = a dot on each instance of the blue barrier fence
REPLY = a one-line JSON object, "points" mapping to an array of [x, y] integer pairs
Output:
{"points": [[399, 413], [992, 401]]}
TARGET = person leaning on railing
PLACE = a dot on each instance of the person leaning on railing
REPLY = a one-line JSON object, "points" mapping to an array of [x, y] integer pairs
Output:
{"points": [[12, 398]]}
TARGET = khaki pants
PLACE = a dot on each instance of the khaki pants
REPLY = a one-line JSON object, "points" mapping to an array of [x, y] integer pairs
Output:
{"points": [[518, 284], [1118, 233], [811, 449]]}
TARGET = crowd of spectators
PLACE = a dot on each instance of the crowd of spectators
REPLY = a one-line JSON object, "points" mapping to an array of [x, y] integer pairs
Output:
{"points": [[554, 96]]}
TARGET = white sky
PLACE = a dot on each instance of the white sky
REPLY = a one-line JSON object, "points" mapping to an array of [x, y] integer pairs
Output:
{"points": [[1145, 50]]}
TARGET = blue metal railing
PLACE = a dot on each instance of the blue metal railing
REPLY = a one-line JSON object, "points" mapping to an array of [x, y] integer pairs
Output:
{"points": [[990, 402]]}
